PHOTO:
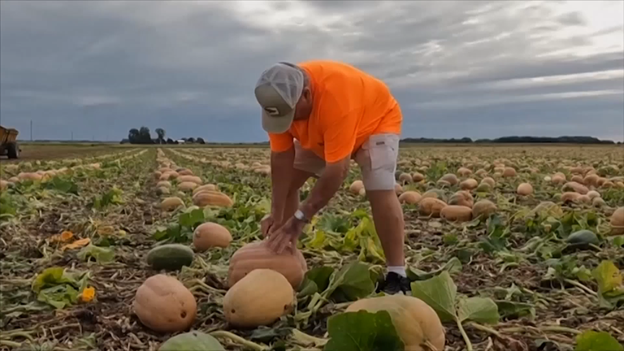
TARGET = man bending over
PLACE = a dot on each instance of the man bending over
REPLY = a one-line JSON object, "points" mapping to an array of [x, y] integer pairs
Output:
{"points": [[319, 115]]}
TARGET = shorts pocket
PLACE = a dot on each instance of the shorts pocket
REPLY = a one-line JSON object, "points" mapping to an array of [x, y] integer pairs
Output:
{"points": [[383, 152]]}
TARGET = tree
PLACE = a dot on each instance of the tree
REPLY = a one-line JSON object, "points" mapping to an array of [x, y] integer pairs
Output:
{"points": [[200, 140], [133, 136], [170, 141], [190, 140], [161, 135], [145, 137]]}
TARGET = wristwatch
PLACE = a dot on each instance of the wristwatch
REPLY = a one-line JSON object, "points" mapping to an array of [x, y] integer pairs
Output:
{"points": [[300, 216]]}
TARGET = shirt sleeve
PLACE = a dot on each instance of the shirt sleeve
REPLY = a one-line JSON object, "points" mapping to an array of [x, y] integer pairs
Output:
{"points": [[339, 137], [280, 142]]}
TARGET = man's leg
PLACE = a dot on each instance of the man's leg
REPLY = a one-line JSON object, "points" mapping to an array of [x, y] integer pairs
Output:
{"points": [[377, 159]]}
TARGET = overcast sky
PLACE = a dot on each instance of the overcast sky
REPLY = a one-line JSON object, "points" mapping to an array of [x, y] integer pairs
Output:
{"points": [[478, 69]]}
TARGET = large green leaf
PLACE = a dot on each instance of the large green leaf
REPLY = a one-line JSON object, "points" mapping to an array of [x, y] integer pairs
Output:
{"points": [[362, 331], [440, 293], [597, 341], [477, 309], [350, 283]]}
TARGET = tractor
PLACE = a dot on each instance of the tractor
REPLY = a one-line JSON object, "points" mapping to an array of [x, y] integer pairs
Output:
{"points": [[8, 142]]}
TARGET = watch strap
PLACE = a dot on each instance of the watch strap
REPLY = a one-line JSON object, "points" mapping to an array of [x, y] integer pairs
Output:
{"points": [[301, 216]]}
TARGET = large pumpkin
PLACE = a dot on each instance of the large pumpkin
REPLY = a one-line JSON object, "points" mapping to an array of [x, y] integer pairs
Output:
{"points": [[164, 304], [257, 255], [416, 322], [260, 298]]}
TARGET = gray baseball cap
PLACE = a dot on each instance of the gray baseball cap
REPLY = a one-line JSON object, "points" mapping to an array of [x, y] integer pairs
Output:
{"points": [[278, 90]]}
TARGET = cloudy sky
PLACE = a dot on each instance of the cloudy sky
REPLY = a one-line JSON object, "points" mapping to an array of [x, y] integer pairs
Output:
{"points": [[478, 69]]}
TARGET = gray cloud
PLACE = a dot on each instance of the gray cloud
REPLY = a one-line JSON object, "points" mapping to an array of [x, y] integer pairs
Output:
{"points": [[477, 69]]}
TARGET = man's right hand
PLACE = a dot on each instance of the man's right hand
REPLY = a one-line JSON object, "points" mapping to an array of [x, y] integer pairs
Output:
{"points": [[266, 224]]}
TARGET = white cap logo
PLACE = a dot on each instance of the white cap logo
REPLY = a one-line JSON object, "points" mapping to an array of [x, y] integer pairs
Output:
{"points": [[273, 111]]}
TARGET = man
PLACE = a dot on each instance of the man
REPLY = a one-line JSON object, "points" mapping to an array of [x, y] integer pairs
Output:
{"points": [[319, 115]]}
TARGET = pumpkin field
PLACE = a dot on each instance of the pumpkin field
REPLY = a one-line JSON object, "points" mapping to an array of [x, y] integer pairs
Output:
{"points": [[159, 248]]}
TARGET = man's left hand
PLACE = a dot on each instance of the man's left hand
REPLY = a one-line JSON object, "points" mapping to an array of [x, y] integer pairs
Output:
{"points": [[286, 237]]}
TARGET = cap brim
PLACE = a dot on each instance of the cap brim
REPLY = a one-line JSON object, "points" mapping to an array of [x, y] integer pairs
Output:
{"points": [[277, 125]]}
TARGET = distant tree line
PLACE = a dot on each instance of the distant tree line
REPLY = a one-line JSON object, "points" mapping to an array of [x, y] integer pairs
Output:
{"points": [[144, 136], [513, 139]]}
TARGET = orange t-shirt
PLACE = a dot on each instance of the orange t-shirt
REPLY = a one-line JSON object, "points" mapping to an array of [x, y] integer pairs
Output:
{"points": [[349, 106]]}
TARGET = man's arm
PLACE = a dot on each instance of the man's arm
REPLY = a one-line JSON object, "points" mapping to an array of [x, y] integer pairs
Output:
{"points": [[326, 187], [281, 175], [339, 139]]}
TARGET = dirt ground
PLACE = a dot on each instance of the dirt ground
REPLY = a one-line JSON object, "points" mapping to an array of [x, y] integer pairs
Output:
{"points": [[32, 152]]}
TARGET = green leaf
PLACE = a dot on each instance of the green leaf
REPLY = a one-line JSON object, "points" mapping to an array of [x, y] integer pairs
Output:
{"points": [[362, 331], [100, 254], [608, 276], [57, 287], [438, 292], [512, 309], [191, 218], [50, 277], [59, 296], [62, 185], [350, 283], [477, 309], [321, 276], [618, 241], [597, 341]]}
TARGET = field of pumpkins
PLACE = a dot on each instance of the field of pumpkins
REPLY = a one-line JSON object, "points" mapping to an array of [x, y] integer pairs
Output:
{"points": [[507, 248]]}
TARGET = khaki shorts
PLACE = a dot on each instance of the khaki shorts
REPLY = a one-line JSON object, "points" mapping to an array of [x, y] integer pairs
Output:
{"points": [[377, 159]]}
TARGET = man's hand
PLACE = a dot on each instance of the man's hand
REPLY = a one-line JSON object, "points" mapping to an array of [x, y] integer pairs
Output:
{"points": [[266, 224], [286, 237]]}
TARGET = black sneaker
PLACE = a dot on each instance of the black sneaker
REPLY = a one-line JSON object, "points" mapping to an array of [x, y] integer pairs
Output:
{"points": [[395, 284]]}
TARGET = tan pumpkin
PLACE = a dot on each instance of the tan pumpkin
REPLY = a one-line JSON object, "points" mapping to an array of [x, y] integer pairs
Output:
{"points": [[356, 186], [462, 198], [163, 184], [593, 194], [417, 177], [405, 178], [260, 298], [190, 178], [171, 203], [164, 304], [185, 172], [205, 187], [398, 189], [208, 235], [429, 206], [509, 172], [524, 189], [450, 178], [455, 213], [469, 184], [576, 187], [410, 197], [187, 186], [257, 254], [483, 208], [30, 176], [464, 172], [416, 323], [617, 221], [490, 181], [212, 198], [570, 196]]}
